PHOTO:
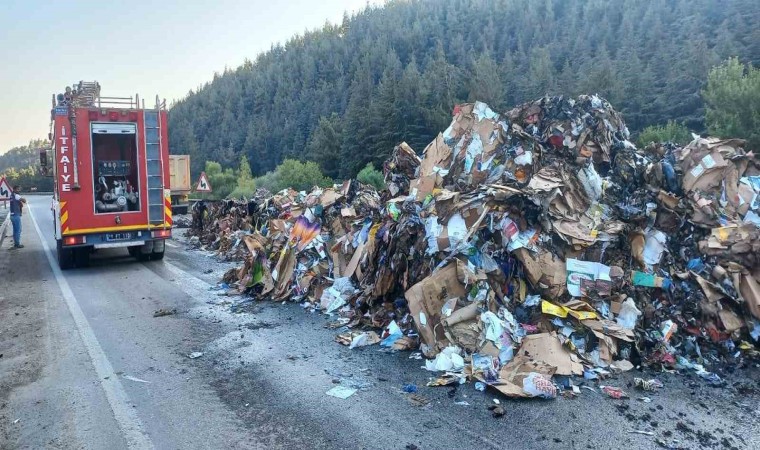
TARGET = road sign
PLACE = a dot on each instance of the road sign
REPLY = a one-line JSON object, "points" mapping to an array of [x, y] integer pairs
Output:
{"points": [[5, 189], [203, 184]]}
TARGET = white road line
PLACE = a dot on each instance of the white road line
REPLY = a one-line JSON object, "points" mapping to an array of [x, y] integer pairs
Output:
{"points": [[123, 411], [171, 244]]}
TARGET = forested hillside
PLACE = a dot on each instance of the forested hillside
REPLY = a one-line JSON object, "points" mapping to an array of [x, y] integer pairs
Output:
{"points": [[23, 156], [20, 165], [346, 94]]}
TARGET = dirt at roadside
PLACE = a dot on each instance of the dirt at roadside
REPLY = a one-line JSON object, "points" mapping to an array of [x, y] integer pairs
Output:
{"points": [[22, 332]]}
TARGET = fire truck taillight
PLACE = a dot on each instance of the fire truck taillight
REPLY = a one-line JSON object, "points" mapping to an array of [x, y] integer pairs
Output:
{"points": [[162, 234], [74, 240], [113, 116]]}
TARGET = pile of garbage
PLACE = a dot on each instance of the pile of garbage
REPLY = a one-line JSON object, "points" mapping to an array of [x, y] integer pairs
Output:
{"points": [[523, 248]]}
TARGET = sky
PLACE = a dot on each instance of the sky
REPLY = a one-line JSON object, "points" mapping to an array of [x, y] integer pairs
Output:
{"points": [[159, 47]]}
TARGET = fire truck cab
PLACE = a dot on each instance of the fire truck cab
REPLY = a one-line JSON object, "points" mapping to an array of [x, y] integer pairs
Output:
{"points": [[111, 175]]}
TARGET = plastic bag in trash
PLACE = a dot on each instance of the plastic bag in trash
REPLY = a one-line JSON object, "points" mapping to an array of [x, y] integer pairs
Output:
{"points": [[628, 314], [449, 360], [538, 385]]}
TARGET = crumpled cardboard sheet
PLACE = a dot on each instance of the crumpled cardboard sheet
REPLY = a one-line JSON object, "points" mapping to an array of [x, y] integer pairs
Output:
{"points": [[475, 136], [283, 273], [511, 375], [610, 328], [420, 188], [560, 191], [706, 173], [713, 170], [547, 348], [256, 244], [463, 328], [748, 285], [427, 297], [734, 243], [400, 168], [545, 271], [437, 157]]}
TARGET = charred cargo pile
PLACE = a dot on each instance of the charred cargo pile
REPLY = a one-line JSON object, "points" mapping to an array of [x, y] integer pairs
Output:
{"points": [[525, 245]]}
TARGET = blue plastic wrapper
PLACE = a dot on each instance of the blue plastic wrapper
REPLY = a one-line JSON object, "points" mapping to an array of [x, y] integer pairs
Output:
{"points": [[410, 388], [696, 265]]}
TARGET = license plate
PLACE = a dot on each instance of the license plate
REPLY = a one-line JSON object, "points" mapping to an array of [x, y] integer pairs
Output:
{"points": [[118, 237]]}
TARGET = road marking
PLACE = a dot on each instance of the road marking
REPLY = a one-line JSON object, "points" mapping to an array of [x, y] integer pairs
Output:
{"points": [[171, 244], [122, 408]]}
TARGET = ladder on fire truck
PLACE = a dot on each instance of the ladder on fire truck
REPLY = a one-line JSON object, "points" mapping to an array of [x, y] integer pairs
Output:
{"points": [[156, 206]]}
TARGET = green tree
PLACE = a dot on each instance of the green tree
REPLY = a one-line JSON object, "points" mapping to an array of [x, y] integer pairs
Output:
{"points": [[269, 181], [325, 142], [222, 182], [294, 174], [21, 166], [670, 132], [370, 175], [732, 97], [541, 75], [23, 156], [246, 186], [485, 82]]}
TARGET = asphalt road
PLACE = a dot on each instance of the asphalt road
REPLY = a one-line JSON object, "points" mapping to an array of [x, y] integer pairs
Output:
{"points": [[84, 364]]}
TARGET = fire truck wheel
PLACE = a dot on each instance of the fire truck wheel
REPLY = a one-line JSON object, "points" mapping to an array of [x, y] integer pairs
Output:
{"points": [[82, 256], [65, 256], [157, 256]]}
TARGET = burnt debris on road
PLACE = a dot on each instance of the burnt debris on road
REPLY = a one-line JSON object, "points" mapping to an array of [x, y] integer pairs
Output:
{"points": [[530, 251]]}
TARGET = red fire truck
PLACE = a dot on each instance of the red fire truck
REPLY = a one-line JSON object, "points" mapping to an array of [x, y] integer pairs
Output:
{"points": [[111, 175]]}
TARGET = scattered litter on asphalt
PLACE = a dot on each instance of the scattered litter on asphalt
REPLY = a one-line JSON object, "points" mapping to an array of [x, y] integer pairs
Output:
{"points": [[647, 385], [648, 433], [410, 388], [341, 392], [496, 410], [131, 378], [614, 392], [164, 312], [195, 355], [417, 400]]}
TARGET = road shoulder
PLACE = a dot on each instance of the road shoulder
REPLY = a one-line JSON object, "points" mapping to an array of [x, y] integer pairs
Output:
{"points": [[48, 389]]}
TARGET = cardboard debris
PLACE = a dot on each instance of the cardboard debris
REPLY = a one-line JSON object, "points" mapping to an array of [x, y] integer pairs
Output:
{"points": [[534, 233], [426, 299], [547, 348], [511, 376]]}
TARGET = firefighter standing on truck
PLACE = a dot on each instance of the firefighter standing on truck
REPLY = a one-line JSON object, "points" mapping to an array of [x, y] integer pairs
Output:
{"points": [[17, 207]]}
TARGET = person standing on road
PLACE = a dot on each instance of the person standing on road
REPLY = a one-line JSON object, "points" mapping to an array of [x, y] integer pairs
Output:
{"points": [[199, 212], [17, 207]]}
